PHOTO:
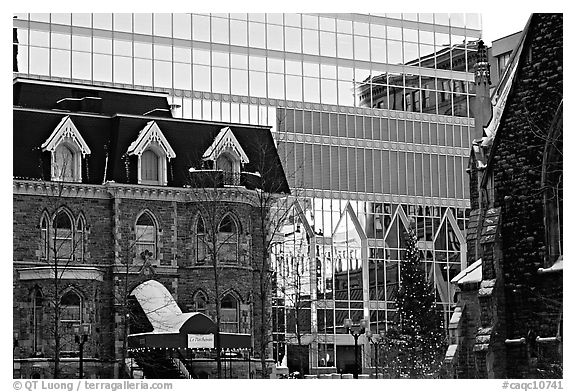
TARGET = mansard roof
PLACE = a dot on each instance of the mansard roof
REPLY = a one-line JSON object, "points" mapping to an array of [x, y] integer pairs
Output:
{"points": [[39, 94], [110, 136]]}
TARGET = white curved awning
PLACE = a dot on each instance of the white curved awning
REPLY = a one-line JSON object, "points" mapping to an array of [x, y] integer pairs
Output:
{"points": [[160, 307]]}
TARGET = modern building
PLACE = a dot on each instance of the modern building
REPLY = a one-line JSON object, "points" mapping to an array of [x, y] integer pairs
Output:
{"points": [[508, 322], [358, 172], [120, 214], [499, 55]]}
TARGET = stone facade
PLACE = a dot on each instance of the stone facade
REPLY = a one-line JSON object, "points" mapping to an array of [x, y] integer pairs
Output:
{"points": [[108, 242], [516, 224], [82, 245]]}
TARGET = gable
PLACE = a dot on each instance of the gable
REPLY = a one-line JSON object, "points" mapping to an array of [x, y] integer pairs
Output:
{"points": [[149, 134], [225, 140], [65, 130]]}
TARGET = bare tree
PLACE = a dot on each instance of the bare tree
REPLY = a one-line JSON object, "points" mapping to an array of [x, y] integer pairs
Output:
{"points": [[62, 239], [213, 203]]}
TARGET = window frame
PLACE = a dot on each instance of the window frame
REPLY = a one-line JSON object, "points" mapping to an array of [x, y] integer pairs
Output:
{"points": [[232, 238], [225, 325], [200, 241], [80, 305], [55, 238], [141, 245]]}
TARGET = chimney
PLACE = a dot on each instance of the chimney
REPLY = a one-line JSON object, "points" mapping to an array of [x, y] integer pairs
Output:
{"points": [[483, 104], [175, 110]]}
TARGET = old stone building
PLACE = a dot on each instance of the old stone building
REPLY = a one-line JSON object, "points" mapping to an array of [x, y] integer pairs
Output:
{"points": [[508, 320], [115, 201]]}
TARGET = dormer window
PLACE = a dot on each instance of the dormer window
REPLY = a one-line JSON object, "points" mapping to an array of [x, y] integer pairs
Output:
{"points": [[68, 148], [227, 155], [153, 151], [149, 162]]}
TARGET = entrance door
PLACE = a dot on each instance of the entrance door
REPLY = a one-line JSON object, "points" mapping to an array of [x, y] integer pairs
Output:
{"points": [[298, 359], [345, 359]]}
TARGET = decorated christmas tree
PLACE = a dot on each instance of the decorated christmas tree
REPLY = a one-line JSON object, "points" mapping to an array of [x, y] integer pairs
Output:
{"points": [[415, 349]]}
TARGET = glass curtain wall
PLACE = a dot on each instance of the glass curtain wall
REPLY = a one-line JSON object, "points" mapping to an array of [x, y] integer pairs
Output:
{"points": [[372, 115]]}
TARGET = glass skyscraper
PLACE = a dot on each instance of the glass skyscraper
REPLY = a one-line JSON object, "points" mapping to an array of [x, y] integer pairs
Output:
{"points": [[372, 116]]}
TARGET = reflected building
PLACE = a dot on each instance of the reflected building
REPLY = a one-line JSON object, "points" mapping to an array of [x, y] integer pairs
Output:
{"points": [[426, 93], [360, 169]]}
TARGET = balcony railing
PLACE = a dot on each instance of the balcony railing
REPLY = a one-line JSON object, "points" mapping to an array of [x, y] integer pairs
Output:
{"points": [[220, 178]]}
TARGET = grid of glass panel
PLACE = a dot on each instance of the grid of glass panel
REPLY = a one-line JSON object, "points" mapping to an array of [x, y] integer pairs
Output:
{"points": [[210, 63], [371, 113]]}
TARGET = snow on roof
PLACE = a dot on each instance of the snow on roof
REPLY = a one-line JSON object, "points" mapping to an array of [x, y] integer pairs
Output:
{"points": [[160, 307], [502, 91], [472, 274], [557, 266]]}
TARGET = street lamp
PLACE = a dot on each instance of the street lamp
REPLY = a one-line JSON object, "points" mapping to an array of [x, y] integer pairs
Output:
{"points": [[81, 336], [377, 341], [359, 330]]}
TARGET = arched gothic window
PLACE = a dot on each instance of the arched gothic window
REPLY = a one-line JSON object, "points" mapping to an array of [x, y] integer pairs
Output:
{"points": [[37, 313], [44, 236], [67, 148], [146, 240], [79, 238], [225, 163], [201, 253], [228, 238], [64, 164], [71, 307], [150, 167], [229, 313], [63, 236], [200, 302]]}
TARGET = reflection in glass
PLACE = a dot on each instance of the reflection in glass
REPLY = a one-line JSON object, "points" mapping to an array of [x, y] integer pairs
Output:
{"points": [[344, 45], [220, 33], [257, 34], [293, 88], [182, 26], [60, 63], [143, 23], [143, 76], [102, 66], [327, 44], [238, 32], [200, 27], [81, 66], [163, 24], [123, 22], [122, 70], [293, 39]]}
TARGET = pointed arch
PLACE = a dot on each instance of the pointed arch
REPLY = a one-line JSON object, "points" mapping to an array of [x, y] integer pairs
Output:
{"points": [[152, 149], [228, 238], [230, 312], [350, 241], [71, 306], [80, 238], [67, 148], [37, 318], [200, 301], [146, 230], [44, 234], [200, 240], [62, 236], [302, 216]]}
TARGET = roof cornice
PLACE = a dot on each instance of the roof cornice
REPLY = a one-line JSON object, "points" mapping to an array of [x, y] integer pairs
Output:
{"points": [[112, 190]]}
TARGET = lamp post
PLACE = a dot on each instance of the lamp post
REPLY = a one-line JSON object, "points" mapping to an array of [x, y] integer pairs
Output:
{"points": [[376, 341], [81, 336], [356, 332]]}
